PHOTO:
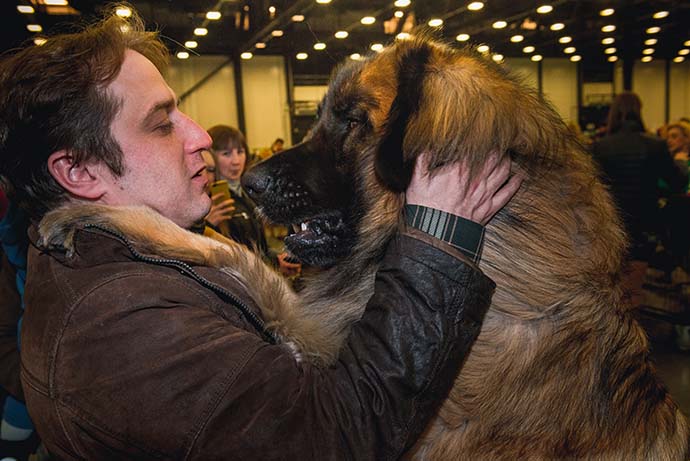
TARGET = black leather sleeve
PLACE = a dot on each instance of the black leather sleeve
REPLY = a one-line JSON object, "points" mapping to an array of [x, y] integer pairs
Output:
{"points": [[395, 369], [403, 356]]}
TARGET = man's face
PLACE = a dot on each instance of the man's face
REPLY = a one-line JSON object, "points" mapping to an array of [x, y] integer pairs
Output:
{"points": [[162, 147], [676, 140]]}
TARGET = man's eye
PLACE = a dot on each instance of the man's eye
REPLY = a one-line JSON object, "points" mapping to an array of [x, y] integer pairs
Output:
{"points": [[165, 128]]}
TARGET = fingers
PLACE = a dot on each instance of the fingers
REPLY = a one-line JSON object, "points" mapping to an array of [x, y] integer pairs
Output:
{"points": [[499, 174], [505, 193], [500, 198]]}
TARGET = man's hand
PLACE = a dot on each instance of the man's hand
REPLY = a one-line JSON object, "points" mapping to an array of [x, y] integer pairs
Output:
{"points": [[220, 211], [453, 191]]}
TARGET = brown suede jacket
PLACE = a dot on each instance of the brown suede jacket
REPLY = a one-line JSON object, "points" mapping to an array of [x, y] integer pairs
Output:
{"points": [[131, 358]]}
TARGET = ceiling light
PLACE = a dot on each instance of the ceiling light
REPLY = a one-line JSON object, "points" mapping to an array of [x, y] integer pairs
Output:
{"points": [[683, 52], [190, 44], [402, 3], [246, 55], [648, 51], [38, 41], [259, 45], [647, 59], [611, 50], [55, 2], [557, 26], [536, 57], [576, 58], [298, 18], [301, 56], [569, 50], [462, 37], [678, 59], [517, 38], [323, 2], [608, 28], [612, 58], [607, 40], [499, 24], [528, 49], [355, 56], [687, 43], [402, 36], [213, 15], [26, 9], [436, 22], [200, 31], [475, 6], [483, 48], [544, 9], [368, 20], [565, 39], [607, 12], [123, 12], [660, 14], [341, 34], [34, 27], [497, 57], [398, 14], [653, 30], [319, 46], [277, 33], [378, 47], [182, 55], [650, 41]]}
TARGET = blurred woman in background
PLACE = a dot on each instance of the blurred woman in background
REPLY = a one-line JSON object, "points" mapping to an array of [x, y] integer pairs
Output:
{"points": [[230, 152]]}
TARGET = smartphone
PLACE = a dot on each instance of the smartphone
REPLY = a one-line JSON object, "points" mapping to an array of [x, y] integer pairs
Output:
{"points": [[220, 187]]}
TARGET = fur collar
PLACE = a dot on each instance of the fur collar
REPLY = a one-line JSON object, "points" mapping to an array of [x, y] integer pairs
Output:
{"points": [[287, 315]]}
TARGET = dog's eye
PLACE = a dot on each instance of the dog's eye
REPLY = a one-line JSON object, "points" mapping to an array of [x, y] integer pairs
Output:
{"points": [[352, 124]]}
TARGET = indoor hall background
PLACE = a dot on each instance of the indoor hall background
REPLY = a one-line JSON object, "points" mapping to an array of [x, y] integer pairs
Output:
{"points": [[258, 65]]}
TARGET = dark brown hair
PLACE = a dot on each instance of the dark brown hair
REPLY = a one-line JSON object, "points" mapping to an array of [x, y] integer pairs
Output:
{"points": [[626, 107], [54, 97]]}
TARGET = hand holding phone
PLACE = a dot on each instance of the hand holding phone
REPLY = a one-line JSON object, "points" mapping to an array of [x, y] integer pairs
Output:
{"points": [[223, 206]]}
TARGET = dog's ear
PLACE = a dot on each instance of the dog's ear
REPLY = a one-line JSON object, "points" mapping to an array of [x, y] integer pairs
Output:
{"points": [[392, 168]]}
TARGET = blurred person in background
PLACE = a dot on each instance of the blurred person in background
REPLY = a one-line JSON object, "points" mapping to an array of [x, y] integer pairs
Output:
{"points": [[277, 146], [632, 163], [230, 150], [222, 209], [17, 436], [678, 142]]}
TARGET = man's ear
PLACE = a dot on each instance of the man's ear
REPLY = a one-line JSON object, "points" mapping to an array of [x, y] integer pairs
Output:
{"points": [[83, 180]]}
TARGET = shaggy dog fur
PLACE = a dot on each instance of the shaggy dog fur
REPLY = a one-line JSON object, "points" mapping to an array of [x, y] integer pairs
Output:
{"points": [[560, 369]]}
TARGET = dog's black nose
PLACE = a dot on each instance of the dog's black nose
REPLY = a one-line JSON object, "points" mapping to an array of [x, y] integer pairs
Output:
{"points": [[255, 183]]}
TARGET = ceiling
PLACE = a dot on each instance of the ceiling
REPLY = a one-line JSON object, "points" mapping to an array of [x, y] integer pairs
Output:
{"points": [[245, 23]]}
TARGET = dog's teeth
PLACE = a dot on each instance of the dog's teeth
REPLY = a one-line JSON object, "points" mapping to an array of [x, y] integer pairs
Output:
{"points": [[304, 226]]}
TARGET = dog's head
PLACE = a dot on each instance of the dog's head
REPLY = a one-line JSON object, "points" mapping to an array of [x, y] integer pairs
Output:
{"points": [[342, 188]]}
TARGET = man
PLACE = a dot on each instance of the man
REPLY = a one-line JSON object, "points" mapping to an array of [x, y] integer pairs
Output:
{"points": [[134, 356]]}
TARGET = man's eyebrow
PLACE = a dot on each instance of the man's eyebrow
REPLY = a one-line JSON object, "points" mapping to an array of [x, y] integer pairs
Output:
{"points": [[168, 105]]}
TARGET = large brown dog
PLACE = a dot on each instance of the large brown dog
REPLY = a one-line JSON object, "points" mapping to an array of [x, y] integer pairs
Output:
{"points": [[561, 369]]}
